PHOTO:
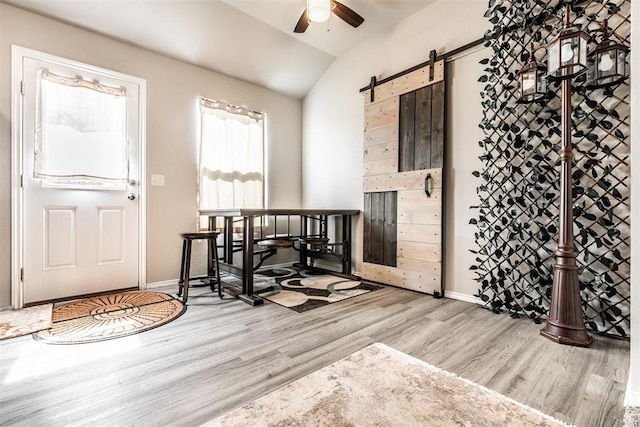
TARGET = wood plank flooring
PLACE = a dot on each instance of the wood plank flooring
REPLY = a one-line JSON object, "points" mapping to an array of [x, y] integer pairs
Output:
{"points": [[222, 354]]}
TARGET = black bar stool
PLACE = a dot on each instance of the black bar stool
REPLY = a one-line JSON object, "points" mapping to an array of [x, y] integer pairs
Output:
{"points": [[187, 239]]}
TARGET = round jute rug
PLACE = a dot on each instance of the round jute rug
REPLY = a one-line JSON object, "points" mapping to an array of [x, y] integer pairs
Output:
{"points": [[110, 316]]}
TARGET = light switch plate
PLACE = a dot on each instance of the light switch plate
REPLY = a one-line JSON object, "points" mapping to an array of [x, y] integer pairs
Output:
{"points": [[157, 180]]}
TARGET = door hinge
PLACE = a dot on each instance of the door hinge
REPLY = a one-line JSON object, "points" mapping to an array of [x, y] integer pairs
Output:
{"points": [[22, 87], [22, 274], [21, 181]]}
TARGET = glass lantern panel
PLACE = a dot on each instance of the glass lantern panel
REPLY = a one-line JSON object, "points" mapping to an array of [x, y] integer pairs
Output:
{"points": [[542, 83], [583, 51], [621, 68], [528, 82], [552, 54], [606, 64]]}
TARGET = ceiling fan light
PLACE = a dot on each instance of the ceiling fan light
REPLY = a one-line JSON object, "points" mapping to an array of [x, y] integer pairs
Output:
{"points": [[318, 10]]}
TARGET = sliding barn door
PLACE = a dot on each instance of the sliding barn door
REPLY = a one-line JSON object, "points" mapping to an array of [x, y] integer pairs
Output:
{"points": [[403, 161]]}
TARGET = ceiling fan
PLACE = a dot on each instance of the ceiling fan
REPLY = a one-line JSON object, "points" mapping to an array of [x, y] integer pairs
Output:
{"points": [[319, 11]]}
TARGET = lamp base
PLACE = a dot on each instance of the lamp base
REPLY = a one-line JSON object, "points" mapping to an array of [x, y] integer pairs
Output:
{"points": [[566, 335]]}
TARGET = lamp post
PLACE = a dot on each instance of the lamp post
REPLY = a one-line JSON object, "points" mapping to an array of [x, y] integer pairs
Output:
{"points": [[567, 55], [565, 324]]}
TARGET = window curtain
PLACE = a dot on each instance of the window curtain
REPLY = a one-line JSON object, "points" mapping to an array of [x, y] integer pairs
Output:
{"points": [[81, 130], [231, 156]]}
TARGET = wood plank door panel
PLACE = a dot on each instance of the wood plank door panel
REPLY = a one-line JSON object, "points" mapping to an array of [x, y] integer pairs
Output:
{"points": [[438, 125], [380, 228], [421, 128], [381, 153], [403, 181]]}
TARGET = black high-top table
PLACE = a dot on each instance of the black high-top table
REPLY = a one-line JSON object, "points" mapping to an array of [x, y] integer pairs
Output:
{"points": [[313, 223]]}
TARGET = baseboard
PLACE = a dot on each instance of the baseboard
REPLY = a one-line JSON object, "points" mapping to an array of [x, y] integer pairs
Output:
{"points": [[462, 297], [448, 294], [165, 283]]}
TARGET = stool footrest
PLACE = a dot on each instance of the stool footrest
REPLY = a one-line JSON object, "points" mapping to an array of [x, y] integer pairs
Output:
{"points": [[205, 277]]}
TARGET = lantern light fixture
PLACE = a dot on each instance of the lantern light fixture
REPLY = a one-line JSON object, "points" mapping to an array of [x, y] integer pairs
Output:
{"points": [[567, 53], [532, 80], [607, 64]]}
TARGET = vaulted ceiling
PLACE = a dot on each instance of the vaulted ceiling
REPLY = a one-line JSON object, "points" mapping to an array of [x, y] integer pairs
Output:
{"points": [[248, 39]]}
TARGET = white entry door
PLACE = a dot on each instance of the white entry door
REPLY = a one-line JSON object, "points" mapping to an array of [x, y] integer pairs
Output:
{"points": [[80, 162]]}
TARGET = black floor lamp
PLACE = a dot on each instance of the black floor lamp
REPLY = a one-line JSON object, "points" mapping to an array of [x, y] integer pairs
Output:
{"points": [[606, 66]]}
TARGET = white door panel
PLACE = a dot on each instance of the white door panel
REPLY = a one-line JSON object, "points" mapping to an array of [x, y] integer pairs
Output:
{"points": [[111, 234], [59, 237], [78, 239]]}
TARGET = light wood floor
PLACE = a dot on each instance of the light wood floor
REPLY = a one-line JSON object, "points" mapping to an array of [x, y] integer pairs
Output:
{"points": [[222, 354]]}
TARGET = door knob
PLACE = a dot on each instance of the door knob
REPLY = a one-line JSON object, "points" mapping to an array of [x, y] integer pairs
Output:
{"points": [[131, 196]]}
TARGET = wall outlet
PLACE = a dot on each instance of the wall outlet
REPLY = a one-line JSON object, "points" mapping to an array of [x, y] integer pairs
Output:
{"points": [[157, 180]]}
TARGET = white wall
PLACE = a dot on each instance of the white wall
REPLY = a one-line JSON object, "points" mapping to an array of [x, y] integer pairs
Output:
{"points": [[172, 88], [633, 386], [333, 117]]}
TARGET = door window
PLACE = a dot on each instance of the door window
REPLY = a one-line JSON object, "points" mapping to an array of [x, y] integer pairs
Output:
{"points": [[81, 133]]}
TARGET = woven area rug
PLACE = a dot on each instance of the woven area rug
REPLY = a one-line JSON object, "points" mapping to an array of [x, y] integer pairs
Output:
{"points": [[16, 323], [302, 290], [380, 386], [110, 316]]}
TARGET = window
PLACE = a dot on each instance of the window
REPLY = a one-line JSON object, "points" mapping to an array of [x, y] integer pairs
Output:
{"points": [[231, 156], [81, 132]]}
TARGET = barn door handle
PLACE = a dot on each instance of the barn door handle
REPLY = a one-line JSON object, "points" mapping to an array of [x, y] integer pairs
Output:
{"points": [[426, 186]]}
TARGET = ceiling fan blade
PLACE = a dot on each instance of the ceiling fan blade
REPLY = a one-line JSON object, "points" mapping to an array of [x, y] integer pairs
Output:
{"points": [[346, 14], [303, 23]]}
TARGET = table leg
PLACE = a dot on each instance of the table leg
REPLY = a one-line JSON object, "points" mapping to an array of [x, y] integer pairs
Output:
{"points": [[247, 256], [346, 244], [228, 240], [303, 246], [247, 263], [210, 266]]}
